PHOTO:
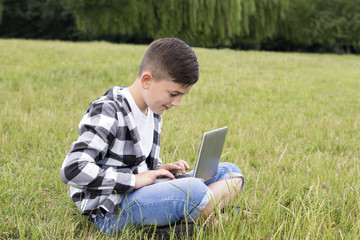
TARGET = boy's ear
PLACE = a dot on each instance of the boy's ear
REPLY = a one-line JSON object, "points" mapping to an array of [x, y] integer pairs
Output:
{"points": [[146, 79]]}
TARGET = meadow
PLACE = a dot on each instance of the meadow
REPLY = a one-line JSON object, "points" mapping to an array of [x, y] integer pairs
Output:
{"points": [[294, 130]]}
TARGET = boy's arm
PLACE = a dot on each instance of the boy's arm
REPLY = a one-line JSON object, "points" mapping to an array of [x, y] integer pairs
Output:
{"points": [[97, 130]]}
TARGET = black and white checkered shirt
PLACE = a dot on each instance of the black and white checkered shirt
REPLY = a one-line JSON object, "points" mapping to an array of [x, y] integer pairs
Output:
{"points": [[101, 164]]}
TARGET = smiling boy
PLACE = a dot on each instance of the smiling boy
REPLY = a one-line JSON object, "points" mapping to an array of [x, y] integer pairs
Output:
{"points": [[112, 166]]}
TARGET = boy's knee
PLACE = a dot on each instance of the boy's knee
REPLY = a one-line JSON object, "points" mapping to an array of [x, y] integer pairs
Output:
{"points": [[227, 170], [194, 187], [198, 195], [229, 167], [205, 195], [235, 172]]}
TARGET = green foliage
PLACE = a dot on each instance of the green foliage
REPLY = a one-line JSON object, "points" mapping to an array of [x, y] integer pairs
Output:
{"points": [[248, 24], [263, 21], [322, 22], [1, 10], [341, 22], [37, 19], [202, 23]]}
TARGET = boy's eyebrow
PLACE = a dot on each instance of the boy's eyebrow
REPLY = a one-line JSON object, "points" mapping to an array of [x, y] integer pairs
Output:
{"points": [[178, 92]]}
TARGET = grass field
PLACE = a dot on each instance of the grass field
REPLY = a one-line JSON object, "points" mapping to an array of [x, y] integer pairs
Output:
{"points": [[294, 130]]}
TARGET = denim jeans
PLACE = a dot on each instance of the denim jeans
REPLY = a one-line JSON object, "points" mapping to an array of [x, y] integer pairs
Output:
{"points": [[166, 202]]}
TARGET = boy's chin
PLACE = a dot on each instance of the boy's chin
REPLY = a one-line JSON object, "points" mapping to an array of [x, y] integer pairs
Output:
{"points": [[157, 111]]}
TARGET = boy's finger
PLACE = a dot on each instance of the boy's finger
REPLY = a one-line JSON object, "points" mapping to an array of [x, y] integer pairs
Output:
{"points": [[170, 167], [165, 173], [170, 175], [175, 167], [185, 164], [182, 165]]}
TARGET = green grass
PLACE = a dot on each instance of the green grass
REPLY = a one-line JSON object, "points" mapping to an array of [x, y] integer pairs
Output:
{"points": [[293, 123]]}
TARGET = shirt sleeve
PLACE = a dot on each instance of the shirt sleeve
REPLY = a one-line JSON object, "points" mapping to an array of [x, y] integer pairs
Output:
{"points": [[97, 130], [159, 163], [158, 140]]}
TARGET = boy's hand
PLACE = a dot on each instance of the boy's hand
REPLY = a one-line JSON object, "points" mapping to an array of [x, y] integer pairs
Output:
{"points": [[165, 171], [176, 167], [147, 178]]}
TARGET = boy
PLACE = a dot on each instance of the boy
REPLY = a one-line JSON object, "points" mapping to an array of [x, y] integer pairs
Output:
{"points": [[112, 166]]}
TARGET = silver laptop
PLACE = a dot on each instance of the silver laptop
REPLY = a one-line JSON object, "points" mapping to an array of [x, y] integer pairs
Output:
{"points": [[209, 156]]}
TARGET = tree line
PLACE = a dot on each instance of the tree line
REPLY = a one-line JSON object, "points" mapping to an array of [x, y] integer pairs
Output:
{"points": [[285, 25]]}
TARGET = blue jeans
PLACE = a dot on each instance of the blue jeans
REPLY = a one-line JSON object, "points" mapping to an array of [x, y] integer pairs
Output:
{"points": [[165, 203]]}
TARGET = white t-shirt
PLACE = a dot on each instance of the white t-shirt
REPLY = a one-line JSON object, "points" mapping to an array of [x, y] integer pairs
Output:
{"points": [[145, 124]]}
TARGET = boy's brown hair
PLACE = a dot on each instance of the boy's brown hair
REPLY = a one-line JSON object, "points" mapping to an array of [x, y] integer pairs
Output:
{"points": [[171, 57]]}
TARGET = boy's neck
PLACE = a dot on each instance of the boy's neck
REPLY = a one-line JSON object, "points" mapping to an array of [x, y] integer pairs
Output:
{"points": [[137, 96]]}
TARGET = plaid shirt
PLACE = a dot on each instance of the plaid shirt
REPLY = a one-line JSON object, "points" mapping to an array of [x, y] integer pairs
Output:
{"points": [[101, 164]]}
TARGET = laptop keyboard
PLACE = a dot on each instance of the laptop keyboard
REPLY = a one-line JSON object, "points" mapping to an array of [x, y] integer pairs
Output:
{"points": [[177, 176]]}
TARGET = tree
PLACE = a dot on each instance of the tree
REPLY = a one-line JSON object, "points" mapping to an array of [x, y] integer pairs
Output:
{"points": [[324, 22], [260, 21], [342, 25], [37, 19], [1, 10], [207, 23], [255, 24], [201, 22]]}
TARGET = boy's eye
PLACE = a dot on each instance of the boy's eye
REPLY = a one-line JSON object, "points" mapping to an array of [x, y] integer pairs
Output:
{"points": [[173, 94]]}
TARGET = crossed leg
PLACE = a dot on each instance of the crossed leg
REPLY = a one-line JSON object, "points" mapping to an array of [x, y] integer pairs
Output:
{"points": [[224, 192]]}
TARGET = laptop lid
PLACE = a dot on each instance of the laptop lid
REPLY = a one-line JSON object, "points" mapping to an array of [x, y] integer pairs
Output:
{"points": [[209, 153]]}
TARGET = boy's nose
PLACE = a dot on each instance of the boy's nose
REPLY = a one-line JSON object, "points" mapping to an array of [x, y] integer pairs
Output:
{"points": [[176, 102]]}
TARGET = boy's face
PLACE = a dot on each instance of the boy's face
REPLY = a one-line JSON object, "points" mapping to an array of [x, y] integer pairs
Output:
{"points": [[161, 95]]}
